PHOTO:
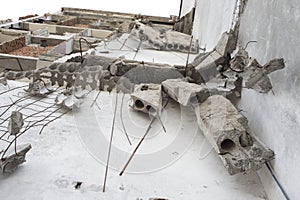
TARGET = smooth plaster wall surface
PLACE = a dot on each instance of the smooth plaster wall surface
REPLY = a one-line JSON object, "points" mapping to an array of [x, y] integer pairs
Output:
{"points": [[187, 6], [275, 118], [212, 18]]}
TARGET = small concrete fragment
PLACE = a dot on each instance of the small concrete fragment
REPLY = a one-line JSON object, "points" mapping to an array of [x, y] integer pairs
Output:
{"points": [[147, 98], [39, 88], [228, 85], [13, 159], [184, 92], [227, 131], [256, 76], [70, 98], [15, 122]]}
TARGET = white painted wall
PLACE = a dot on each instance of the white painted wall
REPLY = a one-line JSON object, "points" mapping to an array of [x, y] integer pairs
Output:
{"points": [[212, 18], [187, 6], [274, 24]]}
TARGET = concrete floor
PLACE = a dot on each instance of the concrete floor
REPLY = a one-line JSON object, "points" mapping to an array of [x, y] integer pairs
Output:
{"points": [[71, 149]]}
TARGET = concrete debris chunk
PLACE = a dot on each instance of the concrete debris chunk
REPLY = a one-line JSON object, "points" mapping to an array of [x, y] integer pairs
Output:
{"points": [[15, 122], [205, 65], [256, 76], [39, 88], [70, 98], [147, 98], [3, 80], [184, 92], [167, 40], [227, 131], [226, 44], [13, 159], [228, 85]]}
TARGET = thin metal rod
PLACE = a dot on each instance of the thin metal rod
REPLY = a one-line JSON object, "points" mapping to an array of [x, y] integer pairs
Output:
{"points": [[80, 47], [188, 56], [136, 148], [95, 100], [27, 128], [164, 128], [277, 181], [180, 8], [110, 142], [122, 122], [137, 50]]}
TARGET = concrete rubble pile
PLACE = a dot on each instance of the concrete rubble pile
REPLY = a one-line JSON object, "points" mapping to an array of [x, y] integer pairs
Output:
{"points": [[212, 77], [206, 84]]}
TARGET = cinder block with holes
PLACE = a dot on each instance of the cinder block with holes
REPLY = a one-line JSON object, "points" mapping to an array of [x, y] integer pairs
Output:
{"points": [[147, 98]]}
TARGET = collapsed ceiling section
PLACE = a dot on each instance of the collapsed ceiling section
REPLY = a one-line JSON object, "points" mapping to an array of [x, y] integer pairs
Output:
{"points": [[89, 51]]}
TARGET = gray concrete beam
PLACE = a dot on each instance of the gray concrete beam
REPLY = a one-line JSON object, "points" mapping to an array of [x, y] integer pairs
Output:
{"points": [[228, 133]]}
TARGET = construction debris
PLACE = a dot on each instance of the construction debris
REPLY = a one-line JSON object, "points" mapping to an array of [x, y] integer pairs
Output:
{"points": [[147, 98], [255, 75], [15, 122], [40, 88], [205, 65], [162, 39], [227, 131], [13, 159], [184, 92], [70, 98]]}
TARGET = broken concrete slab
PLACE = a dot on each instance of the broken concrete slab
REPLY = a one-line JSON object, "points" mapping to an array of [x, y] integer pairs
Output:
{"points": [[207, 67], [13, 159], [184, 92], [228, 133], [162, 39], [147, 98], [227, 43]]}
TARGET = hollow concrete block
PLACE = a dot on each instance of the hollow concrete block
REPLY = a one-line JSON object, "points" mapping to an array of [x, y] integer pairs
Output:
{"points": [[147, 98], [227, 131]]}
